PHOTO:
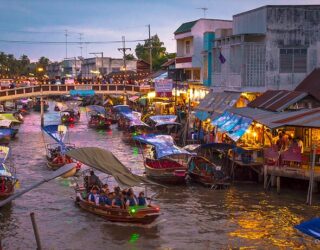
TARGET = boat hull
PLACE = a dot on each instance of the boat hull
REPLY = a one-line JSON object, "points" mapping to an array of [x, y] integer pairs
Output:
{"points": [[165, 171], [6, 189], [143, 215], [37, 107], [56, 166]]}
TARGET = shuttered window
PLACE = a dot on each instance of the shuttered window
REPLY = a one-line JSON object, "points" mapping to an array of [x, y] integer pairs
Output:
{"points": [[293, 60]]}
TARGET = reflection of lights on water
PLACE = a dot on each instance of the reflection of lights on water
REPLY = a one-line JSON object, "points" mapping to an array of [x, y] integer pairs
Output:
{"points": [[134, 238], [71, 126]]}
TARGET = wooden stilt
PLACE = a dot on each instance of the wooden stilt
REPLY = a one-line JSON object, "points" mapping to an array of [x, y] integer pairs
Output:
{"points": [[311, 180], [273, 181], [278, 184], [42, 111], [36, 232], [265, 176]]}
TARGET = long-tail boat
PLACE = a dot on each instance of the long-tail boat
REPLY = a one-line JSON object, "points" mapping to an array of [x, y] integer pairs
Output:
{"points": [[168, 164], [8, 177], [98, 117], [107, 163]]}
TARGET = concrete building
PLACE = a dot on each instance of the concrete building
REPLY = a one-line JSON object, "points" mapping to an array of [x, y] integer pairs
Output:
{"points": [[93, 67], [272, 47], [71, 67], [54, 70], [190, 38]]}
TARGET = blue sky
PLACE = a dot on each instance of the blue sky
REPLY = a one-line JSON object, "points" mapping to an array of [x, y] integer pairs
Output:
{"points": [[105, 20]]}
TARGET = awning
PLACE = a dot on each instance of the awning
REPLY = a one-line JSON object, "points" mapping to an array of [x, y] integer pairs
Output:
{"points": [[234, 125], [311, 228], [106, 162], [133, 98], [217, 103], [202, 115], [9, 117]]}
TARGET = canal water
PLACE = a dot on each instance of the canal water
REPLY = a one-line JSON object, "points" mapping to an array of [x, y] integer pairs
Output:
{"points": [[193, 217]]}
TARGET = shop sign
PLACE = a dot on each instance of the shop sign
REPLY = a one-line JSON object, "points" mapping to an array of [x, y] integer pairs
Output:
{"points": [[163, 87]]}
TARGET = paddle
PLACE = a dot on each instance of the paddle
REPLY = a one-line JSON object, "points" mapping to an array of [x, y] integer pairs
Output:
{"points": [[52, 176]]}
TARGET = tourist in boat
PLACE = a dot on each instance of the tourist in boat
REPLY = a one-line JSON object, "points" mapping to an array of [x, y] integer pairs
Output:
{"points": [[131, 200], [108, 200], [94, 180], [93, 196], [105, 188], [118, 201], [141, 199]]}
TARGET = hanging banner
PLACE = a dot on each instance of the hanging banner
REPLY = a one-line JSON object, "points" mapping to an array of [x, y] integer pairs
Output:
{"points": [[163, 87]]}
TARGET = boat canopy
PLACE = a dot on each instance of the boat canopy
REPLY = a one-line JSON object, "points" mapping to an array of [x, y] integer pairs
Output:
{"points": [[106, 162], [5, 132], [56, 132], [164, 120], [122, 109], [9, 117], [4, 153], [5, 123], [134, 119], [164, 145], [69, 105], [311, 228], [96, 109]]}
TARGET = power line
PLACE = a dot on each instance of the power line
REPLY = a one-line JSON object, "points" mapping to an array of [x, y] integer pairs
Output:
{"points": [[69, 42]]}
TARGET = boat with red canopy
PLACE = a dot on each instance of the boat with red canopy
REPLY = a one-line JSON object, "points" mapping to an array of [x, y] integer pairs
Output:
{"points": [[8, 177]]}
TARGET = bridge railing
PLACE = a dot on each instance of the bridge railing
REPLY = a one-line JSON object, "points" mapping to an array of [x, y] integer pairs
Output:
{"points": [[44, 89]]}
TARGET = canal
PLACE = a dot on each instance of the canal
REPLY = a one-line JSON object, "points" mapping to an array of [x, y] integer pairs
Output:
{"points": [[193, 217]]}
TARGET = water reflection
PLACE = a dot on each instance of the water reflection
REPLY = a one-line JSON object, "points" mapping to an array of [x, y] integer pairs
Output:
{"points": [[194, 217]]}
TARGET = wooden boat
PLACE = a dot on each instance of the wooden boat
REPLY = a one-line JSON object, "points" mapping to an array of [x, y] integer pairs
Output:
{"points": [[165, 125], [135, 215], [69, 116], [37, 106], [106, 162], [99, 122], [167, 165], [165, 171], [7, 174], [205, 172]]}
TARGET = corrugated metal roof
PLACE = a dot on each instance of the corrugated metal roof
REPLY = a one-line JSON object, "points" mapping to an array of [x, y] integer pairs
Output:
{"points": [[218, 102], [311, 84], [277, 100], [301, 118]]}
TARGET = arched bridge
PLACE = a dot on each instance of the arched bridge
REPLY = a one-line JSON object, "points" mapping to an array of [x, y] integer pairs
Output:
{"points": [[49, 90]]}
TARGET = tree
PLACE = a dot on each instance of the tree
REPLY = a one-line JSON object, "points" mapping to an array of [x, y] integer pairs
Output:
{"points": [[42, 63], [130, 57], [159, 52]]}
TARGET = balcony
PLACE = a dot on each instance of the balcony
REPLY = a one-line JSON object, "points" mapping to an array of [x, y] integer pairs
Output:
{"points": [[184, 62]]}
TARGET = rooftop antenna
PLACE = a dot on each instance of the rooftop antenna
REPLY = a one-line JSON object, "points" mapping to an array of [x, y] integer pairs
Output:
{"points": [[204, 11]]}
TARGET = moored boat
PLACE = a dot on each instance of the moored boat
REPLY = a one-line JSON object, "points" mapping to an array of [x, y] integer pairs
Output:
{"points": [[205, 172], [69, 116], [98, 117], [168, 163], [8, 177], [37, 106]]}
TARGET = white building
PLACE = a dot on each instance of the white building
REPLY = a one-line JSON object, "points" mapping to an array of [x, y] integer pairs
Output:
{"points": [[190, 45], [97, 66], [272, 47]]}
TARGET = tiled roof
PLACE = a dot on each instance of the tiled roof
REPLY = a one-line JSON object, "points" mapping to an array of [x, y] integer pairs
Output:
{"points": [[277, 100], [185, 27], [311, 84]]}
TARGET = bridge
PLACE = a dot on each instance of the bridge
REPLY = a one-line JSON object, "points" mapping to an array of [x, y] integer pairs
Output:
{"points": [[51, 90]]}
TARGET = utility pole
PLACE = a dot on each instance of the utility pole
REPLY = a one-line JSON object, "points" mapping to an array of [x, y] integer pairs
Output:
{"points": [[150, 49], [81, 47], [66, 34], [204, 11], [123, 50]]}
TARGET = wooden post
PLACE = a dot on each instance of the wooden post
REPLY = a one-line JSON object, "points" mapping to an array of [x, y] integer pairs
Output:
{"points": [[35, 230], [42, 111], [278, 184], [311, 180], [265, 176], [273, 180]]}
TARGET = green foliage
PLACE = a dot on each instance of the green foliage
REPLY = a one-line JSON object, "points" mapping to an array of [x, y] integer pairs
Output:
{"points": [[159, 52], [13, 67], [130, 57]]}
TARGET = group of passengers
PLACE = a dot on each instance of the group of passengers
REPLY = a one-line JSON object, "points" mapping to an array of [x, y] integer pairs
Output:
{"points": [[101, 195]]}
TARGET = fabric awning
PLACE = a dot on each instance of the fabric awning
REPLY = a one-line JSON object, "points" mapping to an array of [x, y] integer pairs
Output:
{"points": [[106, 162], [202, 115], [234, 125], [133, 98]]}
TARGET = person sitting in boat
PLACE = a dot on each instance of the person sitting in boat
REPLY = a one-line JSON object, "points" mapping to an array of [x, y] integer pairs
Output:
{"points": [[93, 196], [105, 188], [141, 199], [94, 180], [117, 191], [108, 200], [131, 200], [118, 201]]}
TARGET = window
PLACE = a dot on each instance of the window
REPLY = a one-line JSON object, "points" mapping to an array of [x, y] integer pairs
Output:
{"points": [[196, 74], [293, 60], [188, 74], [216, 61], [187, 47]]}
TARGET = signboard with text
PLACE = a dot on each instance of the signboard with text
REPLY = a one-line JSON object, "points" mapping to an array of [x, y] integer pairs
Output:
{"points": [[163, 87]]}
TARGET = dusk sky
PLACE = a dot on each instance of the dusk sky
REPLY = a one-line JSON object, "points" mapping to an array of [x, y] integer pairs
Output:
{"points": [[105, 20]]}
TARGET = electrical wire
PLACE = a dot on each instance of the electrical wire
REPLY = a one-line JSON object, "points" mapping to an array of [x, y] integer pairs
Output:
{"points": [[69, 42]]}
